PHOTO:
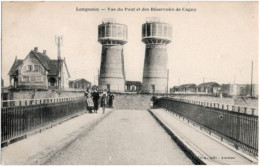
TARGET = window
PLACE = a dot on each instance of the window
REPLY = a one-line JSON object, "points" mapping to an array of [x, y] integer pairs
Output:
{"points": [[154, 29], [148, 29], [102, 31], [25, 78], [120, 31], [153, 88], [160, 29], [38, 79], [29, 68], [114, 29], [108, 29], [32, 79], [36, 68]]}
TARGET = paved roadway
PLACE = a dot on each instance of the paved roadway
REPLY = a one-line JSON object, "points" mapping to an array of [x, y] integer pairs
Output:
{"points": [[123, 137]]}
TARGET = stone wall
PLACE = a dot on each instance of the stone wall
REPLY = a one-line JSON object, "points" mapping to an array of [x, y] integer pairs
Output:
{"points": [[31, 94], [132, 101]]}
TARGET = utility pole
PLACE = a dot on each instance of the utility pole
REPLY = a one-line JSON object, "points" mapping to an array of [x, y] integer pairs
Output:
{"points": [[98, 76], [167, 81], [251, 91], [203, 79], [58, 41]]}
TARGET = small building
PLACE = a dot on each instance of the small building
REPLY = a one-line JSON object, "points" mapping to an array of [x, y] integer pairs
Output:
{"points": [[255, 90], [133, 86], [225, 90], [209, 87], [243, 90], [38, 71], [2, 82], [94, 87], [79, 84], [175, 89], [188, 88]]}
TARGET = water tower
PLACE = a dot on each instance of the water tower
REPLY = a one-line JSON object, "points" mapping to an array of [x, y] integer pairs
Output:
{"points": [[112, 36], [156, 35]]}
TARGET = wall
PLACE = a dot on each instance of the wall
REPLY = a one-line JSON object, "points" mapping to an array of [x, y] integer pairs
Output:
{"points": [[112, 69], [41, 73], [64, 76], [132, 101], [31, 94], [138, 101], [155, 69]]}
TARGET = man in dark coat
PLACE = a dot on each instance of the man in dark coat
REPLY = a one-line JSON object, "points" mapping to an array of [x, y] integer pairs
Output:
{"points": [[110, 99], [95, 96]]}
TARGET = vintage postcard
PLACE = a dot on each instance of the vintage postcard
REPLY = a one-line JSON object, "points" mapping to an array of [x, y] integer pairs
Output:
{"points": [[129, 83]]}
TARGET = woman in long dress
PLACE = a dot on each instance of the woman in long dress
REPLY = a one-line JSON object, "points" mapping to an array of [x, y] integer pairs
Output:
{"points": [[104, 101]]}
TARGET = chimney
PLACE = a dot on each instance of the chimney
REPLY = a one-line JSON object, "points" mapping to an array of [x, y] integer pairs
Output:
{"points": [[44, 52], [35, 49]]}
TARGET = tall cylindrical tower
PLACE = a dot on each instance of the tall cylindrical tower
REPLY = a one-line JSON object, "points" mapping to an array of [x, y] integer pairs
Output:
{"points": [[156, 35], [112, 36]]}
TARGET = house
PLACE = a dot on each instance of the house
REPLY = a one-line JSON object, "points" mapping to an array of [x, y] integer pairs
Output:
{"points": [[188, 88], [79, 84], [209, 87], [133, 86], [225, 89], [243, 90], [38, 71], [175, 89], [94, 87]]}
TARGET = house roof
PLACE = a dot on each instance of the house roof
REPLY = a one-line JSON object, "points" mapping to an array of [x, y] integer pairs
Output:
{"points": [[187, 85], [54, 67], [176, 87], [209, 84], [136, 83], [80, 79], [43, 59], [15, 66], [51, 65]]}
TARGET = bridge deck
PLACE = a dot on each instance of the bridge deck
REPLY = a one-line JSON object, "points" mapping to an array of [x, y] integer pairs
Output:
{"points": [[118, 137], [124, 137]]}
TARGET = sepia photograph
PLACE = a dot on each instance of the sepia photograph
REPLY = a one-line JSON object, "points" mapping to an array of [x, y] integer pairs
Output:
{"points": [[129, 83]]}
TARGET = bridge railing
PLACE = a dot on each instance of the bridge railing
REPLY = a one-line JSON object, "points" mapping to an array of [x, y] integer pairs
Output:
{"points": [[227, 107], [238, 125], [19, 120], [26, 102]]}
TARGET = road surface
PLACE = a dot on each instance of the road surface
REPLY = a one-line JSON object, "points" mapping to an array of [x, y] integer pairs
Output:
{"points": [[123, 137]]}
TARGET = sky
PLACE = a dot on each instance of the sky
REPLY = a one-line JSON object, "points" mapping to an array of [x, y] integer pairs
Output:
{"points": [[217, 42]]}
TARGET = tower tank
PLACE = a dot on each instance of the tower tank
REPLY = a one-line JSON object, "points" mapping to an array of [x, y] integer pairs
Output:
{"points": [[112, 36], [156, 35]]}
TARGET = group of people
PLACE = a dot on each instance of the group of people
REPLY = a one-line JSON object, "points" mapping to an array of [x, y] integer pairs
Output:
{"points": [[105, 99]]}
